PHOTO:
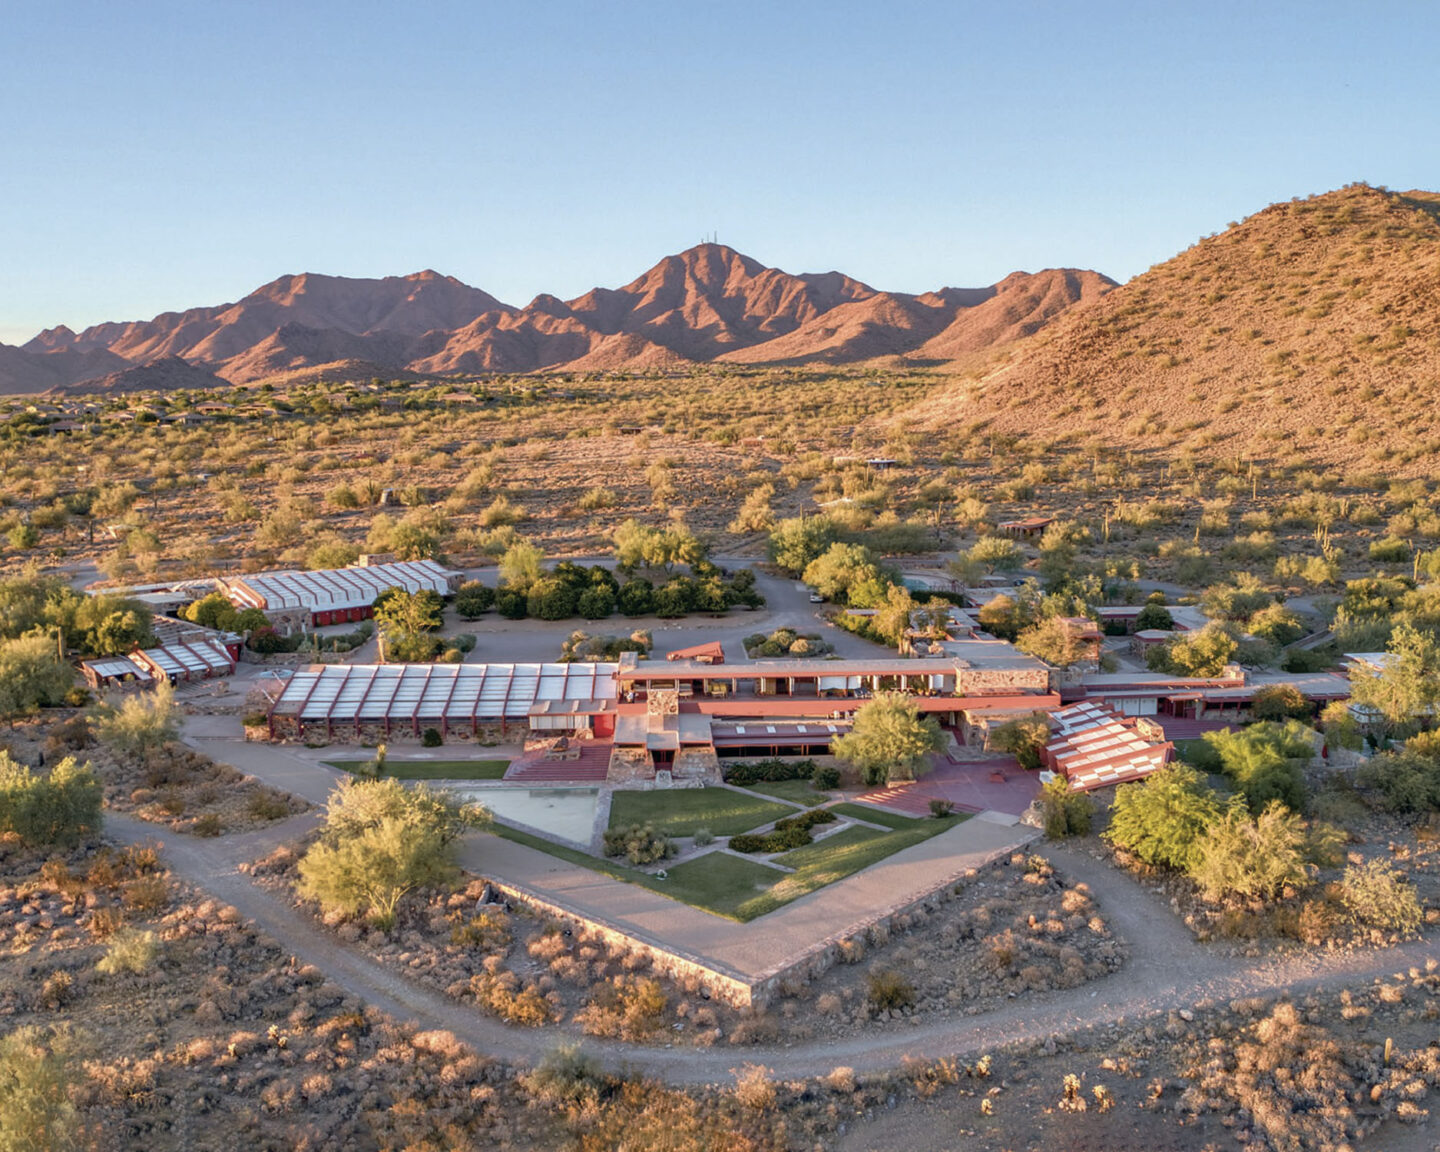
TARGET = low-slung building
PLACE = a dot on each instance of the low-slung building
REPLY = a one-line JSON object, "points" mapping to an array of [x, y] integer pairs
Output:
{"points": [[294, 599], [1092, 746], [455, 699]]}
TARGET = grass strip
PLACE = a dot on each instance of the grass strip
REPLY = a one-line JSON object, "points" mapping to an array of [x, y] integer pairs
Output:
{"points": [[680, 811], [430, 769]]}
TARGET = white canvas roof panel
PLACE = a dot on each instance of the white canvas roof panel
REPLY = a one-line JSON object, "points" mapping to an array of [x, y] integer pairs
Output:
{"points": [[376, 693], [329, 589]]}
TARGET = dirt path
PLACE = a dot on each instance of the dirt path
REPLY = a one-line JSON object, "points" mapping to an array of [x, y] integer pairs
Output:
{"points": [[1167, 970]]}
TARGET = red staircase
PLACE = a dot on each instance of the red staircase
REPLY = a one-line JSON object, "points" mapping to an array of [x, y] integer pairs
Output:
{"points": [[590, 767]]}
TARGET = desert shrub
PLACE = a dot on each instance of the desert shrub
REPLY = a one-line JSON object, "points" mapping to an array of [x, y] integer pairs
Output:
{"points": [[754, 1088], [380, 840], [209, 824], [501, 993], [1252, 856], [825, 778], [1264, 760], [1408, 779], [430, 738], [781, 840], [565, 1076], [1163, 818], [1278, 702], [703, 836], [807, 819], [72, 735], [1375, 895], [130, 950], [1024, 739], [625, 1007], [1065, 812], [267, 805], [148, 893], [769, 771], [473, 600], [61, 807], [141, 723], [36, 1114], [640, 844], [488, 931], [888, 990], [941, 808]]}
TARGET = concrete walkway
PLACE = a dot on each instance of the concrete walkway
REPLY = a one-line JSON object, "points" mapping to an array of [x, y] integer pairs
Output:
{"points": [[747, 951]]}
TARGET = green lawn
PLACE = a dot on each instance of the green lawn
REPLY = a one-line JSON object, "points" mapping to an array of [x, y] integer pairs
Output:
{"points": [[431, 769], [741, 889], [842, 854], [877, 816], [718, 882], [679, 811], [796, 791]]}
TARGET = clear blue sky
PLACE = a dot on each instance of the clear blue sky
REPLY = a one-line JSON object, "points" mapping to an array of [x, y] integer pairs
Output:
{"points": [[163, 155]]}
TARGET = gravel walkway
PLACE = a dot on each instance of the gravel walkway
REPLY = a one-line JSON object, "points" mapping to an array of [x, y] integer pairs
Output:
{"points": [[1167, 970]]}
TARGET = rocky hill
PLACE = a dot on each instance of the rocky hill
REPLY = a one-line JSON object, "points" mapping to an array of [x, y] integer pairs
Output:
{"points": [[707, 303], [1311, 328]]}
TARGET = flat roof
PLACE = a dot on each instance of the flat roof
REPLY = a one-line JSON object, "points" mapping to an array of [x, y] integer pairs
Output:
{"points": [[377, 692], [771, 669], [327, 589]]}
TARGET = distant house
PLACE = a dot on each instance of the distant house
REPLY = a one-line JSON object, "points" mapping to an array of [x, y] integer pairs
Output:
{"points": [[294, 600], [1025, 528]]}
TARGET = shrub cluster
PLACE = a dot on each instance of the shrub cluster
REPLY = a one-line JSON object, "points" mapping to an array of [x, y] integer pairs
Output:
{"points": [[787, 642], [639, 844], [791, 832], [806, 820], [60, 808], [770, 771]]}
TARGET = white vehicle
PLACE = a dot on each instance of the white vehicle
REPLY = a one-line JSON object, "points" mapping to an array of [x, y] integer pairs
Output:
{"points": [[816, 598]]}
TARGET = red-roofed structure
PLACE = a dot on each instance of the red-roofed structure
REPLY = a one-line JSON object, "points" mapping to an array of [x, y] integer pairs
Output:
{"points": [[711, 653], [1092, 746]]}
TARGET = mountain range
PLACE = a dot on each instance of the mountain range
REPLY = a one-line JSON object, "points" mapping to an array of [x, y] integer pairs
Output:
{"points": [[709, 303], [1311, 328]]}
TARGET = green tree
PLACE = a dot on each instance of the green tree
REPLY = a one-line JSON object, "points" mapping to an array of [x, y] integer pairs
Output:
{"points": [[58, 808], [1163, 818], [36, 1074], [1264, 760], [755, 514], [551, 598], [637, 597], [409, 621], [996, 553], [113, 625], [1202, 653], [1253, 856], [1024, 739], [521, 566], [473, 600], [1055, 642], [796, 542], [890, 740], [1238, 601], [848, 574], [32, 676], [1277, 702], [1407, 685], [381, 840], [1065, 812], [140, 724], [1154, 616], [212, 611]]}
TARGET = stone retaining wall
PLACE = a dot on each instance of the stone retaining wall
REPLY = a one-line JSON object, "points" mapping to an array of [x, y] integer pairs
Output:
{"points": [[743, 990]]}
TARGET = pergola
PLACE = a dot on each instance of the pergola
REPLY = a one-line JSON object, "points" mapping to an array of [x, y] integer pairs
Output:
{"points": [[439, 694]]}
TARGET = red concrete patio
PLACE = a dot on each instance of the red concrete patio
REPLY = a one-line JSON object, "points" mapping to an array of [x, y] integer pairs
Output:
{"points": [[997, 785]]}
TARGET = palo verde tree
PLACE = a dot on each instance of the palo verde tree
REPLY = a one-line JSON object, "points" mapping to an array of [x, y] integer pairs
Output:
{"points": [[381, 840], [57, 808], [32, 676], [890, 740], [409, 621]]}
